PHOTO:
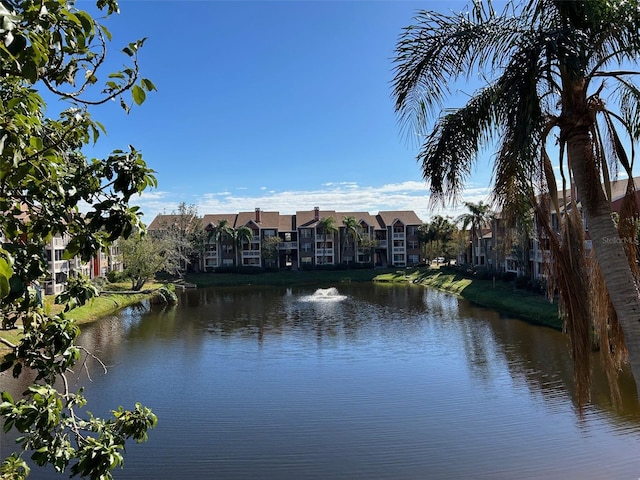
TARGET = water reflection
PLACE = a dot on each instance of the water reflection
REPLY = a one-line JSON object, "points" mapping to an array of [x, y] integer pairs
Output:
{"points": [[372, 381]]}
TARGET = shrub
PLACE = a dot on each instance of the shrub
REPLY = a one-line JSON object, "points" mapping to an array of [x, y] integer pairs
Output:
{"points": [[116, 277], [509, 276], [484, 274], [523, 282]]}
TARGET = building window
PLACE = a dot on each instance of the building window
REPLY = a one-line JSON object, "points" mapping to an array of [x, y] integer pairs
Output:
{"points": [[413, 244], [287, 237], [305, 233], [414, 259], [412, 230], [306, 260]]}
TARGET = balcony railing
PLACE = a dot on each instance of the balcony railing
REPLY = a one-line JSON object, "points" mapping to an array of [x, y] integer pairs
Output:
{"points": [[398, 235], [61, 266], [398, 249], [250, 253], [288, 245], [382, 243]]}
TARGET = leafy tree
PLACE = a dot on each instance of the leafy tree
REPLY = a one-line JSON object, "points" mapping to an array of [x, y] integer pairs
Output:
{"points": [[185, 232], [44, 175], [327, 227], [553, 69], [351, 230], [367, 246], [271, 250], [218, 233], [437, 236], [145, 256], [478, 216]]}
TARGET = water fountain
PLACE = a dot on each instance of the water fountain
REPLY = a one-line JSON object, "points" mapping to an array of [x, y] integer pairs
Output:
{"points": [[330, 294]]}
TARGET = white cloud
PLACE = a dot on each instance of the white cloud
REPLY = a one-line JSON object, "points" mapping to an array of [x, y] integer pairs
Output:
{"points": [[340, 196]]}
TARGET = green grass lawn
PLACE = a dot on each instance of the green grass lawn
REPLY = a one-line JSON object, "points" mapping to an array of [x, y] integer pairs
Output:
{"points": [[498, 295], [94, 310]]}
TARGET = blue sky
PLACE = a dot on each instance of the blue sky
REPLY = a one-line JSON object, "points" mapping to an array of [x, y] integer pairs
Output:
{"points": [[278, 105]]}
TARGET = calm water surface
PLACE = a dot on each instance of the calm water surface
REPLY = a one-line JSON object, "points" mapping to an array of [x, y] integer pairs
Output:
{"points": [[372, 382]]}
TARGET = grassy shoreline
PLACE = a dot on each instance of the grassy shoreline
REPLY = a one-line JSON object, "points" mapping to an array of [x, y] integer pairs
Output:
{"points": [[94, 310], [500, 296]]}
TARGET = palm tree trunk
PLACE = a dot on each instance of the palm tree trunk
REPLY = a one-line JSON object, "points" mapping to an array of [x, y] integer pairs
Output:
{"points": [[606, 243]]}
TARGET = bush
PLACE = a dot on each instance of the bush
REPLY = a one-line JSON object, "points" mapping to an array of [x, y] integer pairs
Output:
{"points": [[522, 282], [116, 277], [484, 274], [509, 276], [538, 286], [99, 282]]}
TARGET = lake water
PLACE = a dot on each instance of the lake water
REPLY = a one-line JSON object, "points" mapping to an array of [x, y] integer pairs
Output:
{"points": [[369, 382]]}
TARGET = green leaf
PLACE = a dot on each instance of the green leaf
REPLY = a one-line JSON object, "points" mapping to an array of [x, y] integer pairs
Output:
{"points": [[36, 143], [148, 85], [5, 274], [86, 20], [138, 94]]}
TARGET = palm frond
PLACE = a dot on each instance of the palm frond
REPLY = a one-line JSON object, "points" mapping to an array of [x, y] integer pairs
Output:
{"points": [[628, 95], [439, 49], [450, 150], [524, 125], [614, 28], [617, 152]]}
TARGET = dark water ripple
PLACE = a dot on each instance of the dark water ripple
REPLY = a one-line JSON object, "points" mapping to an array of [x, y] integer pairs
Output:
{"points": [[382, 383]]}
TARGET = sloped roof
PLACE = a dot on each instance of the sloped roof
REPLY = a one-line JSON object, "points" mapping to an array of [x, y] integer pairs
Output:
{"points": [[407, 217], [306, 218], [267, 219], [217, 217], [619, 187], [286, 223], [360, 216]]}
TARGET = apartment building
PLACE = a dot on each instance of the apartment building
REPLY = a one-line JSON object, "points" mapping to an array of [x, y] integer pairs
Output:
{"points": [[527, 252], [60, 269], [306, 239]]}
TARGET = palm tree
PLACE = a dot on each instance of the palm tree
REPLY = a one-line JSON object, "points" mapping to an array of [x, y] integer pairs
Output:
{"points": [[479, 215], [544, 64], [351, 229], [437, 236], [218, 232], [240, 235], [327, 226]]}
